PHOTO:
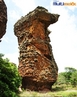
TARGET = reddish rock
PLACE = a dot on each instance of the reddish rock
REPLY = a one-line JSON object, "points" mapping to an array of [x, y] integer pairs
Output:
{"points": [[3, 18], [37, 66]]}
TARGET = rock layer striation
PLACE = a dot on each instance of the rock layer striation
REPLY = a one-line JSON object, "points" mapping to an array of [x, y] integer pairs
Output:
{"points": [[37, 66], [3, 18]]}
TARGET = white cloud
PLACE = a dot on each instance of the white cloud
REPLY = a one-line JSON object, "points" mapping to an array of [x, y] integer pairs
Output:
{"points": [[25, 5], [13, 15], [7, 1], [21, 8], [64, 37], [13, 57], [5, 39]]}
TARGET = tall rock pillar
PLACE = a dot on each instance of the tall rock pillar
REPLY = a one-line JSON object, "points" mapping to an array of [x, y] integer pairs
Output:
{"points": [[36, 62], [3, 18]]}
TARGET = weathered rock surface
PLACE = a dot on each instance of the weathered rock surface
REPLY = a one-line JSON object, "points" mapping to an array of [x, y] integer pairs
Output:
{"points": [[3, 18], [36, 62]]}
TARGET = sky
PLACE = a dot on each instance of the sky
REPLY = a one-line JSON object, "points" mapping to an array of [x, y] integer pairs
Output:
{"points": [[63, 33]]}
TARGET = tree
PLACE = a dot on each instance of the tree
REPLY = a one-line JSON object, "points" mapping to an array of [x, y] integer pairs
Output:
{"points": [[67, 74], [70, 69], [74, 79], [9, 78], [61, 79], [68, 77]]}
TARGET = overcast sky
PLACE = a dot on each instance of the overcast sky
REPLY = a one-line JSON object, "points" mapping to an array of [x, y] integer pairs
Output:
{"points": [[63, 36]]}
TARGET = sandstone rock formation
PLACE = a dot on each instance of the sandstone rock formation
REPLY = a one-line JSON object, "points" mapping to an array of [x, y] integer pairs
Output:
{"points": [[3, 18], [36, 62]]}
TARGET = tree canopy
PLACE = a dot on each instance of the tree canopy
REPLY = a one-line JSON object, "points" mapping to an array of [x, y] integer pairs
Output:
{"points": [[68, 77], [9, 78]]}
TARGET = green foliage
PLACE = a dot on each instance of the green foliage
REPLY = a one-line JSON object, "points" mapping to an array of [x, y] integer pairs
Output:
{"points": [[9, 78], [70, 69], [67, 74], [74, 79], [72, 94], [61, 79], [68, 77]]}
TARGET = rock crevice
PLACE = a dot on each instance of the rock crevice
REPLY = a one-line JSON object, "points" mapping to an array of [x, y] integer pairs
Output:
{"points": [[36, 62]]}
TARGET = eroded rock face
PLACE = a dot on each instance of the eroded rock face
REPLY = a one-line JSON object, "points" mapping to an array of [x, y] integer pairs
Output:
{"points": [[36, 62], [3, 18]]}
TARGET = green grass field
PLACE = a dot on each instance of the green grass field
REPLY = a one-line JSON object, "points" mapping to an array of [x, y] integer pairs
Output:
{"points": [[57, 91]]}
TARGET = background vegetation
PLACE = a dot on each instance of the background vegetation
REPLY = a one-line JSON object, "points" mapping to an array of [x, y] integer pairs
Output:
{"points": [[69, 77], [9, 78]]}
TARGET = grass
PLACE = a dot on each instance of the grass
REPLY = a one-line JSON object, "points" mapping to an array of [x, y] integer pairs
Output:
{"points": [[57, 91]]}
